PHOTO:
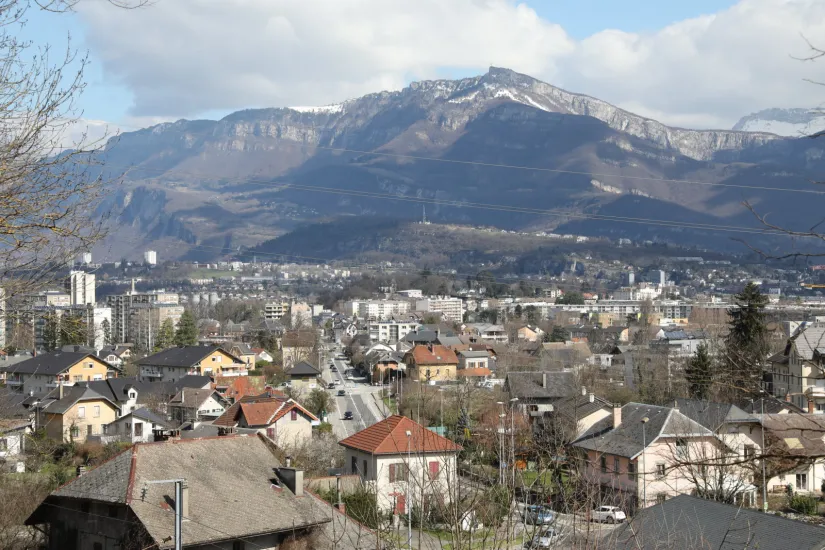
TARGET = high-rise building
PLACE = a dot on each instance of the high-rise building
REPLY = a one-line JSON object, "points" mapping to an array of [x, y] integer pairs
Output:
{"points": [[81, 288], [450, 308], [150, 257], [85, 258], [122, 305], [662, 278]]}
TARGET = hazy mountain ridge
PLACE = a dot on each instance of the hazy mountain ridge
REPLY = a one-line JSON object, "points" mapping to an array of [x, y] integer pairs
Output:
{"points": [[784, 122], [269, 170]]}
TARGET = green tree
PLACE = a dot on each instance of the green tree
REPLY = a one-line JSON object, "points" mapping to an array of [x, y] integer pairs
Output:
{"points": [[699, 373], [517, 311], [106, 329], [187, 333], [319, 401], [746, 344], [571, 298], [558, 334], [166, 335], [51, 331], [532, 314]]}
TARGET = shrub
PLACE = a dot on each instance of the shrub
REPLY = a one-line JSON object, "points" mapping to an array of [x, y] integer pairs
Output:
{"points": [[803, 504]]}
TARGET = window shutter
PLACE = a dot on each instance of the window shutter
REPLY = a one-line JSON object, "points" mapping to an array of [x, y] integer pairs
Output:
{"points": [[392, 473], [434, 469]]}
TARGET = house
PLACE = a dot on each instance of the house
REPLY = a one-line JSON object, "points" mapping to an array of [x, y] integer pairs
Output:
{"points": [[117, 505], [298, 345], [487, 331], [431, 363], [575, 414], [74, 413], [303, 376], [806, 368], [473, 359], [637, 456], [262, 355], [13, 432], [686, 521], [680, 343], [402, 460], [175, 363], [538, 391], [280, 419], [529, 333], [139, 426], [798, 439], [243, 352], [46, 371], [124, 392], [115, 355], [386, 365], [565, 355], [8, 360], [474, 376], [233, 388], [190, 405]]}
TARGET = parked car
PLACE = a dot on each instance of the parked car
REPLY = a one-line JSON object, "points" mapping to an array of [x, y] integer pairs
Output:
{"points": [[610, 514], [538, 515], [348, 415], [333, 368], [342, 393], [546, 538]]}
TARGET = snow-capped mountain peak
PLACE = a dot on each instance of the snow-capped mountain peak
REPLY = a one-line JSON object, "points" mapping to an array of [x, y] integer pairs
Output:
{"points": [[784, 122]]}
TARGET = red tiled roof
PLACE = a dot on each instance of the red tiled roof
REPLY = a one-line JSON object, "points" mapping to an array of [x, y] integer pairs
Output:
{"points": [[241, 386], [390, 437], [439, 355], [259, 411], [481, 371], [232, 415], [260, 414]]}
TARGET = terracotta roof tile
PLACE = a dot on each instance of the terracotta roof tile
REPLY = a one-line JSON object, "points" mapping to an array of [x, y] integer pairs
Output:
{"points": [[390, 437], [439, 355], [260, 414]]}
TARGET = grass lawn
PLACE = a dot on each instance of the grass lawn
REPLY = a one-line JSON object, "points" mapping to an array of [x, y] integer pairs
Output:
{"points": [[544, 479], [391, 404]]}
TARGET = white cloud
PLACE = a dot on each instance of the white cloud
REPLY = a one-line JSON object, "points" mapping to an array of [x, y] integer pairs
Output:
{"points": [[185, 57]]}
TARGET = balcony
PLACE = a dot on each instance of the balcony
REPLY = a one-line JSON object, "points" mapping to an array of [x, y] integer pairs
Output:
{"points": [[816, 392], [14, 382], [151, 374]]}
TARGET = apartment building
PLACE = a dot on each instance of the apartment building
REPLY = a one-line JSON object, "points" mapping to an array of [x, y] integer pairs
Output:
{"points": [[377, 309], [81, 288], [450, 308], [122, 306], [390, 332]]}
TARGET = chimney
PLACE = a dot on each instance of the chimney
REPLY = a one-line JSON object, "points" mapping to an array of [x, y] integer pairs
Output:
{"points": [[185, 500], [289, 462], [293, 478], [592, 397], [617, 415], [544, 380], [811, 407], [60, 389], [584, 390]]}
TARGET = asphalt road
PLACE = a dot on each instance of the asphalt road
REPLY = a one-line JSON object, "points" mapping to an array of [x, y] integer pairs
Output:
{"points": [[358, 400]]}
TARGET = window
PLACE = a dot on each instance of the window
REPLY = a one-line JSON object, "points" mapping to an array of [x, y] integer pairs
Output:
{"points": [[661, 497], [434, 470], [74, 431], [681, 447], [89, 430], [81, 412], [354, 465], [96, 411], [4, 445], [616, 466], [78, 378], [398, 472], [603, 464], [364, 473], [139, 429], [90, 365], [749, 452], [660, 470], [801, 482], [294, 415]]}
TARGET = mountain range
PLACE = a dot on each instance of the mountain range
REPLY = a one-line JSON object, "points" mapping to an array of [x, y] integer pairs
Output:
{"points": [[500, 149]]}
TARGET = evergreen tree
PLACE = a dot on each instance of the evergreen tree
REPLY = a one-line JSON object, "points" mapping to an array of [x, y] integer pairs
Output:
{"points": [[51, 332], [187, 333], [699, 373], [106, 329], [72, 330], [746, 344], [558, 335], [166, 335]]}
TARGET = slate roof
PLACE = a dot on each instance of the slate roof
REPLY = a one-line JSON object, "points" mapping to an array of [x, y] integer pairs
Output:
{"points": [[53, 363], [13, 404], [579, 406], [231, 498], [711, 415], [187, 356], [420, 336], [626, 440], [768, 405], [795, 434], [686, 521], [473, 354], [116, 389], [529, 385], [684, 335], [389, 437], [191, 398], [303, 369], [808, 340], [71, 395]]}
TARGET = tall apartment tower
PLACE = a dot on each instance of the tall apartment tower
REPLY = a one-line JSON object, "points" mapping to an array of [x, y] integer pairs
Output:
{"points": [[150, 257], [81, 288]]}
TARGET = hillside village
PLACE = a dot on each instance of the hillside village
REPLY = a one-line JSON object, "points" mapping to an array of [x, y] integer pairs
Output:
{"points": [[410, 420]]}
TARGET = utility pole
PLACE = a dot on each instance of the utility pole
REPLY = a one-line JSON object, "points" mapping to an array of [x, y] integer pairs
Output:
{"points": [[764, 479], [645, 420]]}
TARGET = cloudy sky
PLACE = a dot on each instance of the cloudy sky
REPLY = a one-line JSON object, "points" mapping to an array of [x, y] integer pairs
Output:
{"points": [[693, 63]]}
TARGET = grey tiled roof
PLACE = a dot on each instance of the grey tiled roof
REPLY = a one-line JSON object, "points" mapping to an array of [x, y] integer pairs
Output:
{"points": [[230, 490], [690, 522], [303, 369], [709, 414], [627, 440], [52, 363], [187, 356], [145, 414], [191, 398], [71, 395], [529, 385], [808, 339]]}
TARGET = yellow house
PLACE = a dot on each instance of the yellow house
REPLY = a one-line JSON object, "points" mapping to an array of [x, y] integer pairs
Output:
{"points": [[244, 353], [431, 363], [174, 363], [73, 413], [46, 371]]}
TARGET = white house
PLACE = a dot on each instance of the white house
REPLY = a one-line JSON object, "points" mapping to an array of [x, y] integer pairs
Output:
{"points": [[403, 461], [191, 405], [135, 427], [13, 436], [280, 419]]}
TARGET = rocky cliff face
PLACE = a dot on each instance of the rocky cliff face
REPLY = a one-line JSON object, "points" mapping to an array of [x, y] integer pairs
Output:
{"points": [[784, 122], [259, 172]]}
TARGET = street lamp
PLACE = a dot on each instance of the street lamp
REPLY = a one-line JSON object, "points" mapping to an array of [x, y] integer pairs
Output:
{"points": [[645, 420], [409, 493]]}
